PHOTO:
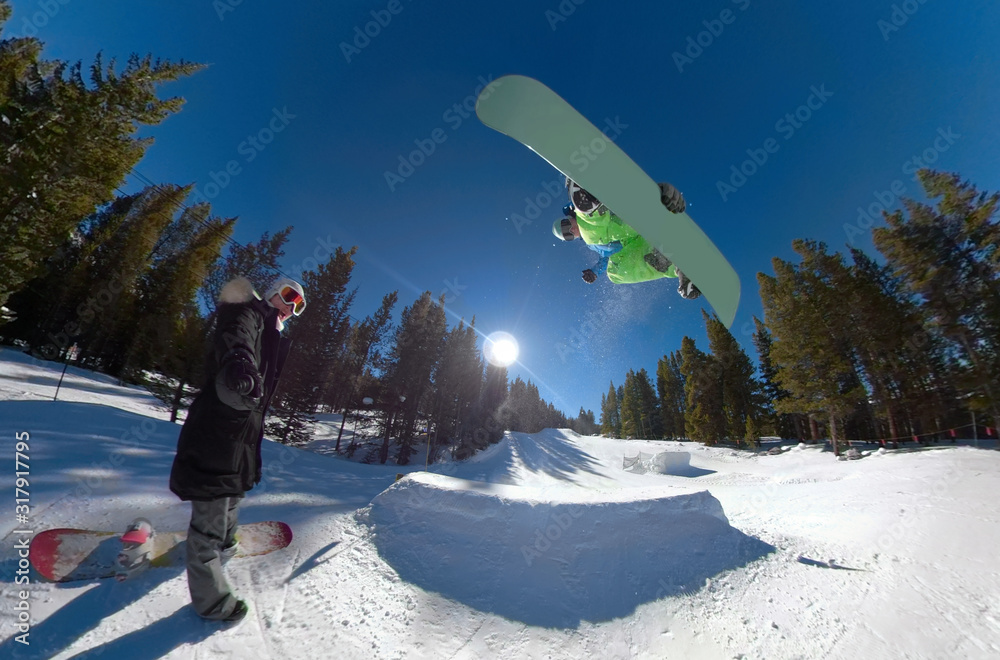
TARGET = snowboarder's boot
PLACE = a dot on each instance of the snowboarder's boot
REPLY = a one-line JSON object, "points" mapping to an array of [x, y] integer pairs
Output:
{"points": [[230, 551], [657, 261], [672, 198], [136, 547], [238, 613], [686, 287]]}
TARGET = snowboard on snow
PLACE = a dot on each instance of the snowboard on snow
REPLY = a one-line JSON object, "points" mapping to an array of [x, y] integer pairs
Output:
{"points": [[534, 115], [68, 555]]}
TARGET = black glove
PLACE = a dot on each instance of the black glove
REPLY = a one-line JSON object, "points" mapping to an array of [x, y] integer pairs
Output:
{"points": [[589, 276], [241, 375]]}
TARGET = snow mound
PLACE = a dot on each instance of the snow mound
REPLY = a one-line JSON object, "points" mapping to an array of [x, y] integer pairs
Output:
{"points": [[546, 558], [675, 463]]}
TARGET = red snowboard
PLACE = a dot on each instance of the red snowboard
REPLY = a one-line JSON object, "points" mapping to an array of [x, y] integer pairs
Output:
{"points": [[67, 555]]}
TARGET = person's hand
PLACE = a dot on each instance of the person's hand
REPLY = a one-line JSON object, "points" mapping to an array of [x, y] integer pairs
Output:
{"points": [[589, 276], [241, 376]]}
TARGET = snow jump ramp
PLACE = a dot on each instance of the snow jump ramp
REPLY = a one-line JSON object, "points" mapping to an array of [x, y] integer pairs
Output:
{"points": [[533, 555]]}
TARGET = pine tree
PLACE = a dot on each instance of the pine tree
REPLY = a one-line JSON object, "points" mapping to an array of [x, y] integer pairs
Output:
{"points": [[489, 421], [811, 348], [903, 365], [948, 257], [611, 424], [418, 342], [652, 419], [670, 390], [631, 409], [458, 378], [786, 425], [91, 298], [741, 393], [66, 144], [320, 337], [640, 414], [364, 356], [704, 415], [167, 292], [751, 435], [584, 423], [525, 411], [187, 363]]}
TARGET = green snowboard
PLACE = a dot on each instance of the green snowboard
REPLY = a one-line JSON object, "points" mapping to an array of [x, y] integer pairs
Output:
{"points": [[540, 119]]}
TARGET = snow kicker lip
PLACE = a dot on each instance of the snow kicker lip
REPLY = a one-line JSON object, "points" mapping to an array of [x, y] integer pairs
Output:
{"points": [[506, 550]]}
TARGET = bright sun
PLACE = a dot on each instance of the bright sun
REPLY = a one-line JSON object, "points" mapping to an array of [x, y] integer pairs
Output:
{"points": [[501, 349]]}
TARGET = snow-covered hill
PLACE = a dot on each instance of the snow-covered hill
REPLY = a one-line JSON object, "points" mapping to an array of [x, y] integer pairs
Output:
{"points": [[542, 546]]}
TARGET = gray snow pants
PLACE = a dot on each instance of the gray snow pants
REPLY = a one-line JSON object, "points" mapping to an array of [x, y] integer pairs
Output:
{"points": [[213, 526]]}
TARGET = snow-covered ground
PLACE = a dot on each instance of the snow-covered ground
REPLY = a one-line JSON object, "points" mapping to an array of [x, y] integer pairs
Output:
{"points": [[543, 546]]}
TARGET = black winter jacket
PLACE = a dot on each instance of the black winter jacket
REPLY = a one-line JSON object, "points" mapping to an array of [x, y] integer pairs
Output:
{"points": [[219, 449]]}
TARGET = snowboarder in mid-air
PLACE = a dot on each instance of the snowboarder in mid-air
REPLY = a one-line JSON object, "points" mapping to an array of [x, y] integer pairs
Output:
{"points": [[626, 256]]}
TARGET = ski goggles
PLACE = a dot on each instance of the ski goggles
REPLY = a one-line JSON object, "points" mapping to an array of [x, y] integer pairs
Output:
{"points": [[292, 297], [566, 227]]}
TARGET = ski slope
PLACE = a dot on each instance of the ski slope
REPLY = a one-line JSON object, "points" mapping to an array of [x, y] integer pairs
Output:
{"points": [[543, 546]]}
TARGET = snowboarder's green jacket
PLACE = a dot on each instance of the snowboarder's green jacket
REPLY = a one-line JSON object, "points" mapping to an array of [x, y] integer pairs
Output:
{"points": [[602, 230]]}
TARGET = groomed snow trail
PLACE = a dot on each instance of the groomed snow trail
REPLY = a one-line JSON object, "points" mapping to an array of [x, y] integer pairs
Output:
{"points": [[543, 546]]}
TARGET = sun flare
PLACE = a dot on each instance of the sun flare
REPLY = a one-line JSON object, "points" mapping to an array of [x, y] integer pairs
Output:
{"points": [[501, 349]]}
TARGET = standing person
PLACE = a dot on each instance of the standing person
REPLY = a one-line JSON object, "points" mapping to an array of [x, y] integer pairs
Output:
{"points": [[219, 449], [625, 254]]}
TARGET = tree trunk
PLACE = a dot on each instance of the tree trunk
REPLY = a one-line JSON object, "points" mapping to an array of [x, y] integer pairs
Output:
{"points": [[340, 433], [893, 432], [974, 356], [178, 399], [384, 453], [834, 430]]}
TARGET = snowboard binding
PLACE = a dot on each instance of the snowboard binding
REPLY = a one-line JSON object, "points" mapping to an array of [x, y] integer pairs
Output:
{"points": [[582, 200], [672, 198], [686, 287], [136, 549]]}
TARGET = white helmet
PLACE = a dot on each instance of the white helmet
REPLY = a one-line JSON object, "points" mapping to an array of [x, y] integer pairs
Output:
{"points": [[562, 229], [290, 291]]}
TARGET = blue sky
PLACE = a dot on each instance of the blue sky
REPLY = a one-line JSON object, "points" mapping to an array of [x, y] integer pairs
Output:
{"points": [[698, 88]]}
